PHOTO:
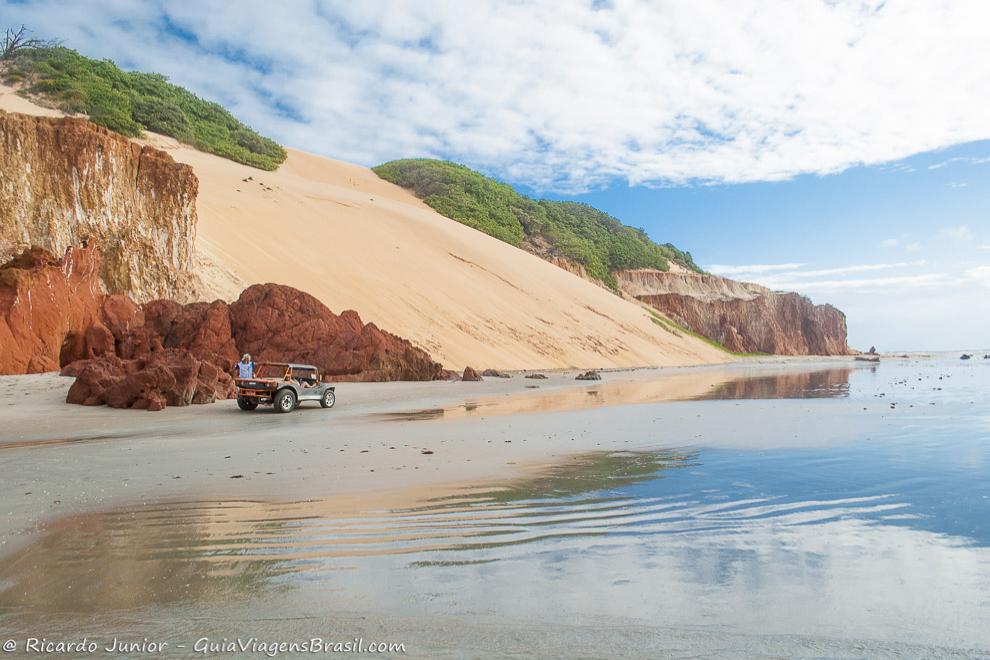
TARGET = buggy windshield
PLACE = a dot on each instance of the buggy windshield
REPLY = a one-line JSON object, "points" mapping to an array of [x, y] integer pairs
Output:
{"points": [[270, 371]]}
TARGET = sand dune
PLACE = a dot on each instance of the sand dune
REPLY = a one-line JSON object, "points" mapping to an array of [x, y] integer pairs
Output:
{"points": [[357, 242]]}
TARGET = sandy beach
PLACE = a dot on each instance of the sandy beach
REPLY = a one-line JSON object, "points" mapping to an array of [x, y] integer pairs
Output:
{"points": [[506, 515], [70, 459]]}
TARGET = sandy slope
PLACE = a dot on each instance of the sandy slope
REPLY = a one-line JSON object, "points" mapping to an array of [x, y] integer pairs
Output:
{"points": [[357, 242]]}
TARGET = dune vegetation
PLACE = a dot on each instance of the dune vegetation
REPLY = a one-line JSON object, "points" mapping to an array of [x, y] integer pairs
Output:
{"points": [[131, 102], [574, 231]]}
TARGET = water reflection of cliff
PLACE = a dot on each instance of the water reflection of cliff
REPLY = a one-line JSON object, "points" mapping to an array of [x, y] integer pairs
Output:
{"points": [[827, 384], [675, 386]]}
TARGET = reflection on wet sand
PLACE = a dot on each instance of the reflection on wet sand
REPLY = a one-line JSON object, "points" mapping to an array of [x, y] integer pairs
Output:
{"points": [[593, 538], [687, 386], [205, 551]]}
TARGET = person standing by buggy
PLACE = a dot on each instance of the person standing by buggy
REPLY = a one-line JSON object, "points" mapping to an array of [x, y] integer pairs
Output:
{"points": [[245, 368]]}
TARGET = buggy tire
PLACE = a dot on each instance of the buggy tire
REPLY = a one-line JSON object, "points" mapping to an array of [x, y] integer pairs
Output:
{"points": [[285, 401], [329, 398], [245, 404]]}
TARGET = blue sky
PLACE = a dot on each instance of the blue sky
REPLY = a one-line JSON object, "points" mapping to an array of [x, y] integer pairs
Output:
{"points": [[901, 247], [837, 148]]}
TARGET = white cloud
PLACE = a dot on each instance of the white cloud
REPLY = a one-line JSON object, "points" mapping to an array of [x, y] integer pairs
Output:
{"points": [[568, 96], [888, 285], [728, 271], [860, 268], [980, 275], [889, 243], [970, 160], [961, 233], [912, 248], [789, 277]]}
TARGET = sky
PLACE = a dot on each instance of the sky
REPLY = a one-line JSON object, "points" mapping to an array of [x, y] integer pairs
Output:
{"points": [[840, 149]]}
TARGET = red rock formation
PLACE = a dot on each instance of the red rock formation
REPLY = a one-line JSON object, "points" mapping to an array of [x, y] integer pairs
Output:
{"points": [[204, 329], [54, 312], [67, 180], [43, 300], [167, 354], [118, 319], [278, 323], [173, 377], [744, 317]]}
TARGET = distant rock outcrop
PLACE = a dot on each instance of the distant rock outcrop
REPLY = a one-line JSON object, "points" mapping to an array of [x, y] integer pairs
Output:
{"points": [[743, 317], [66, 181]]}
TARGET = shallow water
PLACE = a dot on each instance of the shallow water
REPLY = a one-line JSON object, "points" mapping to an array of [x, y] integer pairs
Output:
{"points": [[878, 547], [693, 385]]}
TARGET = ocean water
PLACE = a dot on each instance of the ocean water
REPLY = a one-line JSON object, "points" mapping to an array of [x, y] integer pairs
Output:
{"points": [[874, 545]]}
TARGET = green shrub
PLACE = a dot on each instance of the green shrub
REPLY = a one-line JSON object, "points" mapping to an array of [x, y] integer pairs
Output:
{"points": [[572, 230], [130, 102]]}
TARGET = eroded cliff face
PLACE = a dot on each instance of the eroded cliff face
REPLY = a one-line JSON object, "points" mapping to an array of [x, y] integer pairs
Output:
{"points": [[744, 317], [67, 181], [648, 282]]}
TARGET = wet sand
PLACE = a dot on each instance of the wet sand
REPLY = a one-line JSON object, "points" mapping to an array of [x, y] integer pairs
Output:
{"points": [[381, 441], [773, 508]]}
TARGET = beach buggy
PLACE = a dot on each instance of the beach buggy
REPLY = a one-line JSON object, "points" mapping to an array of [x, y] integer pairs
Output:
{"points": [[283, 385]]}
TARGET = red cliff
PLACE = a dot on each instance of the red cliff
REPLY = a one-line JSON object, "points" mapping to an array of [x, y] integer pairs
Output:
{"points": [[744, 317]]}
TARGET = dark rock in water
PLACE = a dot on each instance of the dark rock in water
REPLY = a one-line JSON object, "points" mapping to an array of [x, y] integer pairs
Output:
{"points": [[495, 373], [470, 375], [965, 356], [449, 374], [536, 376], [873, 350], [987, 356], [589, 375]]}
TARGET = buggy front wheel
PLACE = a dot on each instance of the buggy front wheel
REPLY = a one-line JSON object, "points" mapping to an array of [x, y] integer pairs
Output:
{"points": [[329, 398], [285, 401]]}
